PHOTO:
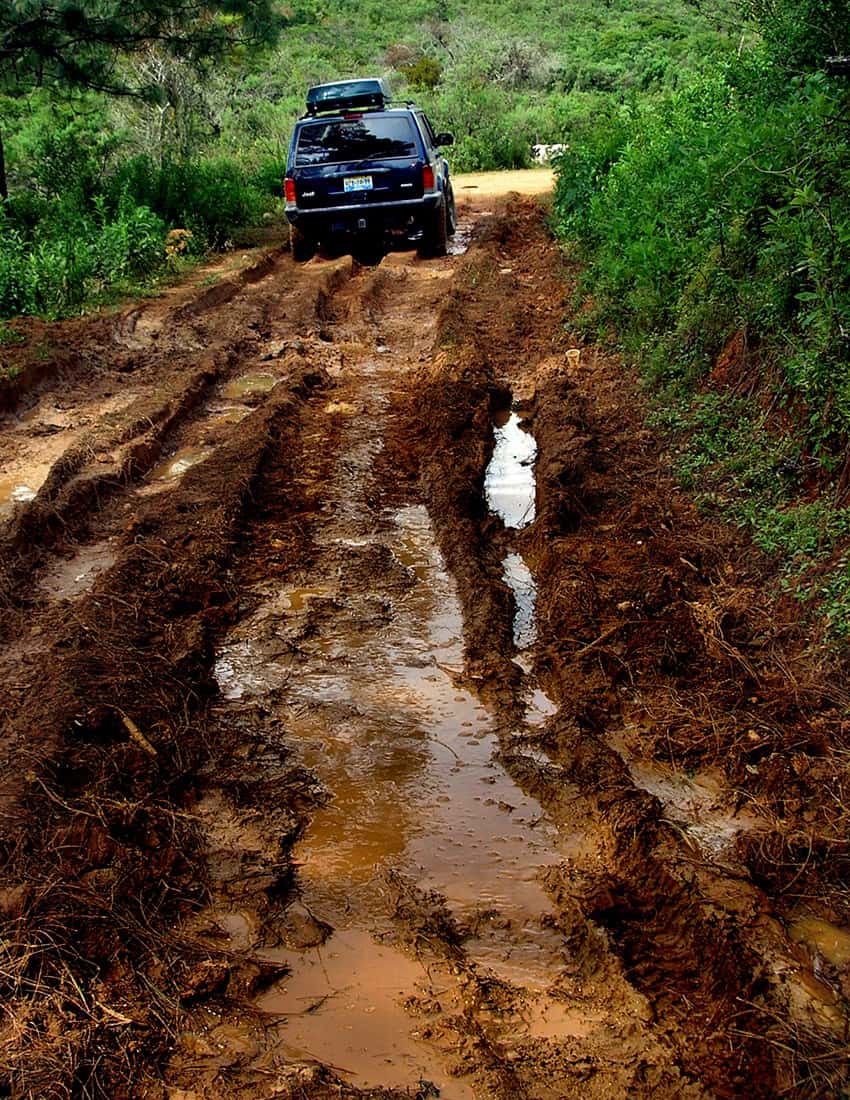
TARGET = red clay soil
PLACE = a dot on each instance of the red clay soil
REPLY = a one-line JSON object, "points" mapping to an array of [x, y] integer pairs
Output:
{"points": [[692, 766]]}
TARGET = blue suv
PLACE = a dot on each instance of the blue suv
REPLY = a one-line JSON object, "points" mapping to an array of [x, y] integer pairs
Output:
{"points": [[362, 169]]}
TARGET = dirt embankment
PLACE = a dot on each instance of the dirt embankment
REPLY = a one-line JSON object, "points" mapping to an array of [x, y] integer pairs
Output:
{"points": [[262, 661]]}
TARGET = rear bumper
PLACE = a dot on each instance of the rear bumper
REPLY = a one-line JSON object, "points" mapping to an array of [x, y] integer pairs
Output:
{"points": [[404, 214]]}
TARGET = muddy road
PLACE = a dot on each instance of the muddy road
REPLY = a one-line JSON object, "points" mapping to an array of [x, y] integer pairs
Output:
{"points": [[378, 719]]}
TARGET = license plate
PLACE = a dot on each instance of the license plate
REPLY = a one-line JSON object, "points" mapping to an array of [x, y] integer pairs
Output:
{"points": [[357, 183]]}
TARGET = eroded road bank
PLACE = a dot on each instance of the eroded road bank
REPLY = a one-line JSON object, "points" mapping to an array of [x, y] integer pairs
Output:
{"points": [[379, 721]]}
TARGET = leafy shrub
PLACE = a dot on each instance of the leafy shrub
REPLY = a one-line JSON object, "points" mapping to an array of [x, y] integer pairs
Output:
{"points": [[425, 72], [711, 212], [212, 197], [800, 33], [269, 175], [71, 259], [723, 208]]}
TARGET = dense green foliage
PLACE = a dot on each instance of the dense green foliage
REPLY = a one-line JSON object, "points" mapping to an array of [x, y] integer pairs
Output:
{"points": [[76, 221], [81, 221], [97, 181], [77, 42], [715, 222], [501, 74]]}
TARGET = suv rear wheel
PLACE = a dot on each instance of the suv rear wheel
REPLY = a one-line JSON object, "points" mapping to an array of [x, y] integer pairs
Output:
{"points": [[435, 241], [451, 219], [303, 247]]}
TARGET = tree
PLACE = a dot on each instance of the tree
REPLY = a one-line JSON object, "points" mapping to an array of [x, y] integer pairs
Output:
{"points": [[802, 33], [82, 43]]}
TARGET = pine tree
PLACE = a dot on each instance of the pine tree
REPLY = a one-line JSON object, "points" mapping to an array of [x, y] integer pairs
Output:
{"points": [[81, 43]]}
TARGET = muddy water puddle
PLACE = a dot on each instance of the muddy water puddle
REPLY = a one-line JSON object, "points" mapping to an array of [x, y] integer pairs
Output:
{"points": [[249, 385], [520, 581], [12, 492], [697, 803], [370, 697], [459, 243], [25, 474], [510, 490], [353, 987], [176, 465], [66, 579], [36, 439], [229, 414], [822, 939], [200, 439], [509, 483]]}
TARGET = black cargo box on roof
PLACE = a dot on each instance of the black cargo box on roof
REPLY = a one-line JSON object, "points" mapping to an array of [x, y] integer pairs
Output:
{"points": [[347, 95]]}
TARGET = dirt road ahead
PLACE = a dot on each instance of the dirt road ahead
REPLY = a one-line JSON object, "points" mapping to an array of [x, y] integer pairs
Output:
{"points": [[378, 719]]}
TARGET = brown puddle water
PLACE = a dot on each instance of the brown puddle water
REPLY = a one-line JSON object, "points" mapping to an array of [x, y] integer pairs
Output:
{"points": [[176, 465], [228, 414], [342, 1006], [408, 759], [822, 938], [698, 804], [14, 491], [249, 385], [66, 579]]}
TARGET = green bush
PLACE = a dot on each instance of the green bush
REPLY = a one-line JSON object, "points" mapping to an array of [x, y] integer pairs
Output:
{"points": [[722, 210], [72, 259], [713, 212], [213, 197]]}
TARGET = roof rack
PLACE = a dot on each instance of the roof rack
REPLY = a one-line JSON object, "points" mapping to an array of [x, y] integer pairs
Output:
{"points": [[347, 95]]}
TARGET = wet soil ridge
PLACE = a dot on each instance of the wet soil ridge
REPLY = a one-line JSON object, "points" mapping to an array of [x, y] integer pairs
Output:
{"points": [[628, 575], [103, 701], [293, 802], [672, 663], [151, 402], [94, 891]]}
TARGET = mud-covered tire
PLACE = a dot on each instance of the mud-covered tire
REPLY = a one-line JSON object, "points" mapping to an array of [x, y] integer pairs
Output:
{"points": [[451, 220], [302, 247], [435, 241]]}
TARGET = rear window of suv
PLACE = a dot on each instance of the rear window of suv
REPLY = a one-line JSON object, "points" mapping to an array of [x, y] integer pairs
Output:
{"points": [[367, 138]]}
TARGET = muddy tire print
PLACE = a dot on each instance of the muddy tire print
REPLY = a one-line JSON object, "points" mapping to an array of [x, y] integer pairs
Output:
{"points": [[378, 719]]}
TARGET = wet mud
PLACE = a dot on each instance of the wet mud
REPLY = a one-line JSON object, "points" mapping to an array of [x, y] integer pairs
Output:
{"points": [[380, 721]]}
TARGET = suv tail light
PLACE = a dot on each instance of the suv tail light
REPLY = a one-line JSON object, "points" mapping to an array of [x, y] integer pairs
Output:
{"points": [[289, 189], [427, 178]]}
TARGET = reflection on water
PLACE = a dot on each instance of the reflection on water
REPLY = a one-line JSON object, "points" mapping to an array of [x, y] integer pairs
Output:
{"points": [[520, 581], [408, 754], [13, 492], [459, 243], [249, 385], [510, 491], [509, 481], [823, 938], [69, 578], [177, 464], [697, 803], [229, 414], [372, 706], [341, 1006]]}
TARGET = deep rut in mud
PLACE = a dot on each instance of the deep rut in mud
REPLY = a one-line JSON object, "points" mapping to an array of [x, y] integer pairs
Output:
{"points": [[359, 660], [350, 647]]}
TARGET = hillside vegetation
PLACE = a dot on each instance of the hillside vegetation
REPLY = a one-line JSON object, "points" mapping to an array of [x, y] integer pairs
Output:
{"points": [[714, 226], [96, 181]]}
